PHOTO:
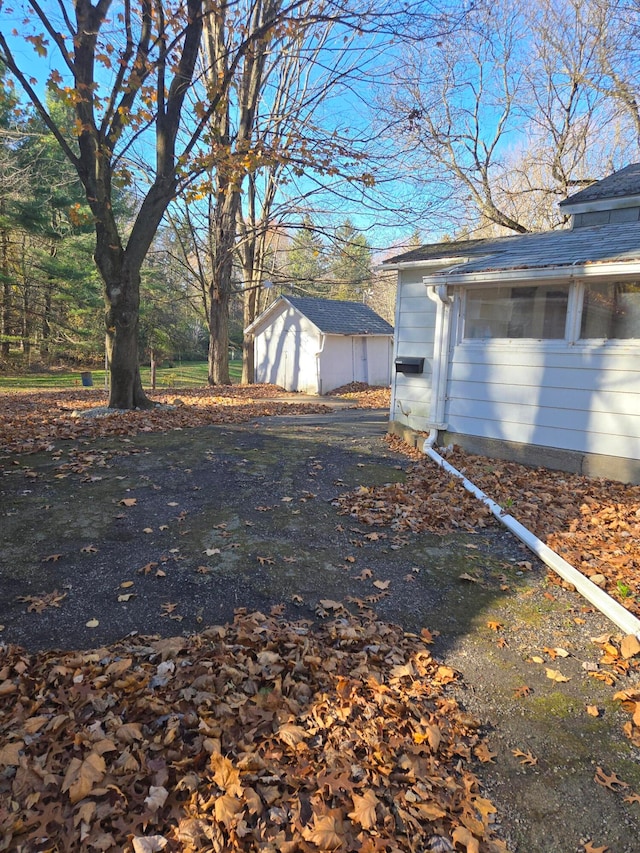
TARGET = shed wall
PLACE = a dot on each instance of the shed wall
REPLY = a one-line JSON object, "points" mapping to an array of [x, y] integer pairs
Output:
{"points": [[285, 352]]}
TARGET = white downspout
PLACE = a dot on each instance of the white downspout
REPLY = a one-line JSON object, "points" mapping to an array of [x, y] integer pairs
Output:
{"points": [[318, 354], [438, 293], [614, 611]]}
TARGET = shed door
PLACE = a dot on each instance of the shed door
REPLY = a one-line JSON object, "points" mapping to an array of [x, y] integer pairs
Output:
{"points": [[360, 366]]}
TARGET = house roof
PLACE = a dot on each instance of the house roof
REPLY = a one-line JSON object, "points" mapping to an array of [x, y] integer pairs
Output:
{"points": [[562, 249], [330, 316], [625, 182]]}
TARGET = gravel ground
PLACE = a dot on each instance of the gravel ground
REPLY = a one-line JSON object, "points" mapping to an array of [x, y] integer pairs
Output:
{"points": [[166, 534]]}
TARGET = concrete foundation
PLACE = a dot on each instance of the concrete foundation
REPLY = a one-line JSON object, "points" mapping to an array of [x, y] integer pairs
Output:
{"points": [[588, 464]]}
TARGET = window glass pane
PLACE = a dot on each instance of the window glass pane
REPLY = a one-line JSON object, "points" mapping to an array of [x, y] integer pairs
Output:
{"points": [[517, 312], [611, 310]]}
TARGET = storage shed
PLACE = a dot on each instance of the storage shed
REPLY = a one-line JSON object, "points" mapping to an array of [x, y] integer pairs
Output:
{"points": [[316, 345], [527, 347]]}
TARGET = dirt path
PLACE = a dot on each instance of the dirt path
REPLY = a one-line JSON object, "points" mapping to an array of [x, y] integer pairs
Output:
{"points": [[169, 533]]}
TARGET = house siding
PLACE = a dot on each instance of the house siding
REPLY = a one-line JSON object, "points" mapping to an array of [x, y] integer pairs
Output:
{"points": [[415, 330], [583, 398]]}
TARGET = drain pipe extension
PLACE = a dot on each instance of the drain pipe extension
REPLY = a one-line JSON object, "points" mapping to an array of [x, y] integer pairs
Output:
{"points": [[614, 611]]}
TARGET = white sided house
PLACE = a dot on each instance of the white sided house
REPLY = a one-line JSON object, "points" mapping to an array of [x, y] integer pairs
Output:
{"points": [[316, 345], [527, 347]]}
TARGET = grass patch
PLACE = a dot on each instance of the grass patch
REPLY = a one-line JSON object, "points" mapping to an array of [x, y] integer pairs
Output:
{"points": [[191, 374]]}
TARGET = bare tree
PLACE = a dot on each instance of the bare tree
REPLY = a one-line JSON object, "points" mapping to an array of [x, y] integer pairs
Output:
{"points": [[515, 110]]}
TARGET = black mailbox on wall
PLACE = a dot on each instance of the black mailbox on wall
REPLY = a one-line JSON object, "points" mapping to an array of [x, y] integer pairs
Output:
{"points": [[408, 364]]}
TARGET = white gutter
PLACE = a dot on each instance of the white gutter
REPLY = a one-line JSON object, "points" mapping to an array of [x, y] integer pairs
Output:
{"points": [[614, 611], [425, 263]]}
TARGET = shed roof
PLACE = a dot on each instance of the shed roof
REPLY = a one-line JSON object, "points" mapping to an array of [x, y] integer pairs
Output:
{"points": [[335, 317], [565, 248], [624, 182]]}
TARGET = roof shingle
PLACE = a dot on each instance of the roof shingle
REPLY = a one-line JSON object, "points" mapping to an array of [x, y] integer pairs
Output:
{"points": [[335, 317]]}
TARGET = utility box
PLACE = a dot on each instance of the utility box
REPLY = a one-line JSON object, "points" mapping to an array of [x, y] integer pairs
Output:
{"points": [[409, 364]]}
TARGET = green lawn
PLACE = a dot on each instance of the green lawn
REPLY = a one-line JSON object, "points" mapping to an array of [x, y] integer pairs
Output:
{"points": [[188, 375]]}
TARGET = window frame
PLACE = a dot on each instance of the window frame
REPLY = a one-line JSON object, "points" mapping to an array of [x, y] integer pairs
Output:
{"points": [[573, 320]]}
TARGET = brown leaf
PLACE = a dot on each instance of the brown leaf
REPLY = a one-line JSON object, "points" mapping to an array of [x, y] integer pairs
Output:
{"points": [[326, 832], [291, 734], [82, 776], [612, 781], [630, 646], [483, 753], [594, 711], [226, 809], [462, 836], [364, 809], [225, 774], [382, 584], [129, 501], [10, 753], [526, 758]]}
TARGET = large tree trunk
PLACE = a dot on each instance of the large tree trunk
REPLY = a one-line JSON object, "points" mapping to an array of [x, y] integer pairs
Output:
{"points": [[219, 337], [248, 359], [5, 312], [122, 301], [224, 235]]}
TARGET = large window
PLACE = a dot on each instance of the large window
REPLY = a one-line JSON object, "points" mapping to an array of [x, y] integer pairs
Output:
{"points": [[611, 310], [517, 312]]}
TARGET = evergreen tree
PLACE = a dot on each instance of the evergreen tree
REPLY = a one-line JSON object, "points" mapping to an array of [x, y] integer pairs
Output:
{"points": [[306, 268], [350, 266]]}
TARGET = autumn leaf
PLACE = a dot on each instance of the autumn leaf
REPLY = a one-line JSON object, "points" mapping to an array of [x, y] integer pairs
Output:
{"points": [[462, 836], [225, 774], [630, 646], [291, 734], [148, 843], [156, 798], [82, 776], [10, 754], [326, 832], [129, 501], [495, 626], [265, 561], [226, 809], [484, 754], [382, 584], [364, 809], [556, 675], [593, 711], [526, 758], [609, 781], [589, 848]]}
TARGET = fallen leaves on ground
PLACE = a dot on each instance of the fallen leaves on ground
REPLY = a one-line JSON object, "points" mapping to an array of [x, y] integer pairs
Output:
{"points": [[364, 396], [592, 522], [262, 735], [33, 422]]}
